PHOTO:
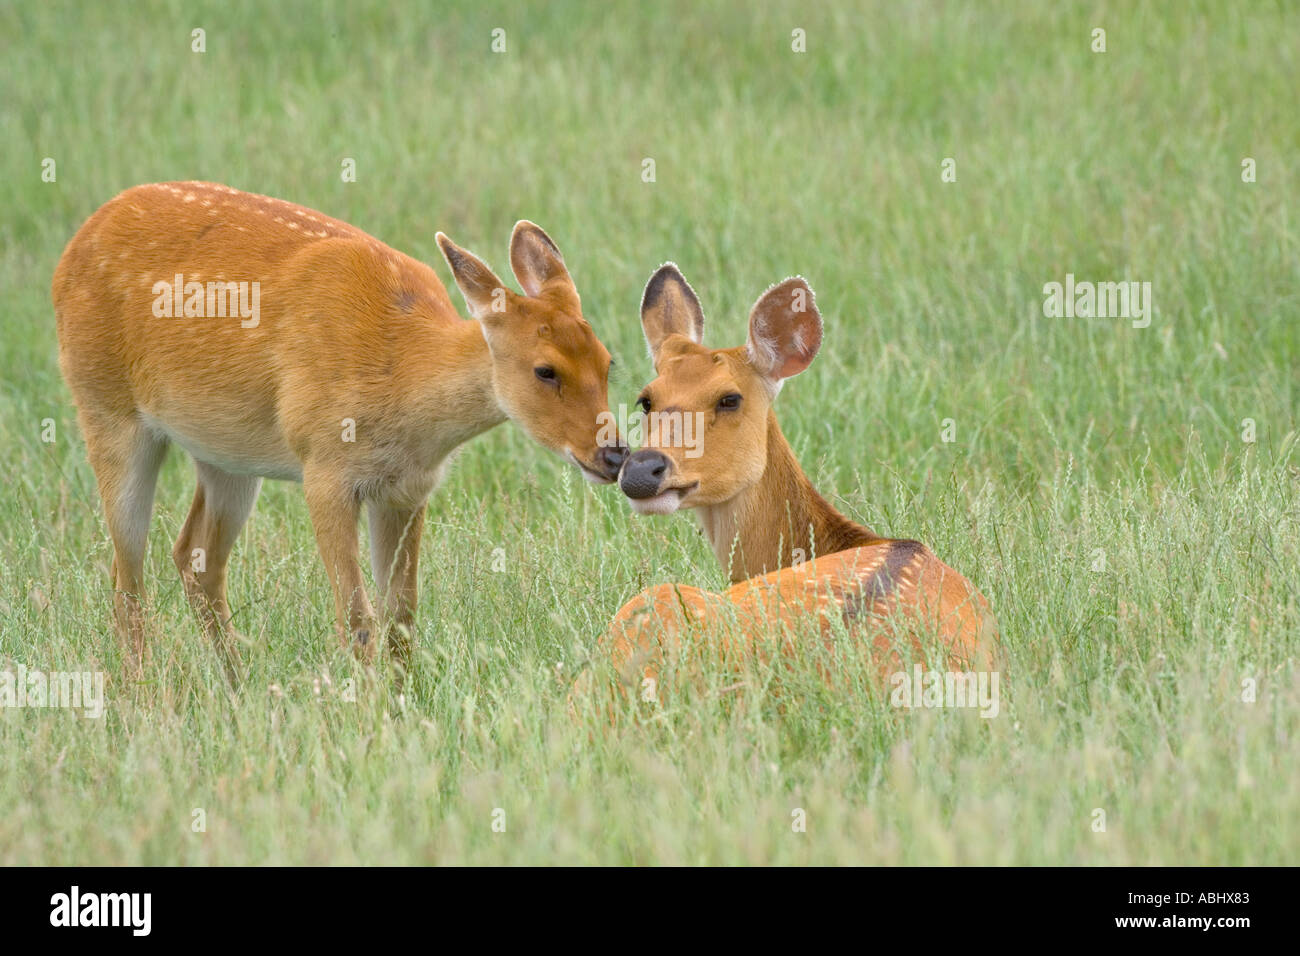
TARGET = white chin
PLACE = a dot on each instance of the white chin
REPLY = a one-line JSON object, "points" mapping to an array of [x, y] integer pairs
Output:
{"points": [[664, 503]]}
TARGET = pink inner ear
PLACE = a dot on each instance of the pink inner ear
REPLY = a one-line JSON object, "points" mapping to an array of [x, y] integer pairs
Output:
{"points": [[799, 345], [794, 364]]}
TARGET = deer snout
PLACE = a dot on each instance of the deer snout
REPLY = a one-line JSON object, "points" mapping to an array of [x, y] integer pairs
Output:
{"points": [[611, 459], [643, 473]]}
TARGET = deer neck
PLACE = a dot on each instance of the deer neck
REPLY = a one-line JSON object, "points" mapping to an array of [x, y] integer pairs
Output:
{"points": [[778, 520], [452, 383]]}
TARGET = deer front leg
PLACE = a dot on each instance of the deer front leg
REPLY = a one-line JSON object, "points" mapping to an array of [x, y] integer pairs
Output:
{"points": [[395, 555], [334, 508]]}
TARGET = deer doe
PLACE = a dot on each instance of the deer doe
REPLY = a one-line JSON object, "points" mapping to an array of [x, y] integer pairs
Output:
{"points": [[270, 341]]}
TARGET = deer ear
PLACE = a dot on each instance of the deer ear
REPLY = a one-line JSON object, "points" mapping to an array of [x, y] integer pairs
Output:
{"points": [[785, 330], [484, 293], [535, 259], [669, 306]]}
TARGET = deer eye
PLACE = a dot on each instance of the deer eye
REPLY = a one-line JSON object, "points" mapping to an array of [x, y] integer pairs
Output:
{"points": [[643, 403], [729, 402], [545, 373]]}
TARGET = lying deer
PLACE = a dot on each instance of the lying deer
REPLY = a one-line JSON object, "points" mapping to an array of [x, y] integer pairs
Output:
{"points": [[271, 341], [760, 512]]}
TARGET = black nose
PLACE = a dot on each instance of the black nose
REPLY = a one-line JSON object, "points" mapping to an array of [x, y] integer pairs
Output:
{"points": [[643, 474], [611, 459]]}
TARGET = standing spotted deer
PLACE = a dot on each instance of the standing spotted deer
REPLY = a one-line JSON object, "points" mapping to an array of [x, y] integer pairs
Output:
{"points": [[271, 341], [761, 514]]}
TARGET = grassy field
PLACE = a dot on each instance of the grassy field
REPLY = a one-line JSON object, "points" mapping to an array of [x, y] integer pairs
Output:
{"points": [[1142, 556]]}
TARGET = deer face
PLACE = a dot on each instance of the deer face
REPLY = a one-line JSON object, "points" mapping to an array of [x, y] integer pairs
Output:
{"points": [[707, 409], [549, 371]]}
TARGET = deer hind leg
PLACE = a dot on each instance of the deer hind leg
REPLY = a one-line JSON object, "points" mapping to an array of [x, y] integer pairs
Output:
{"points": [[126, 456], [395, 557], [222, 504], [669, 627]]}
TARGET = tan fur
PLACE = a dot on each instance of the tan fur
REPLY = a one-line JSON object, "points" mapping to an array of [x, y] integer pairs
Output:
{"points": [[765, 520], [349, 329], [689, 632]]}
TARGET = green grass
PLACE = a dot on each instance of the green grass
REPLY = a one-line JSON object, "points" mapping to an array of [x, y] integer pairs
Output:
{"points": [[1073, 435]]}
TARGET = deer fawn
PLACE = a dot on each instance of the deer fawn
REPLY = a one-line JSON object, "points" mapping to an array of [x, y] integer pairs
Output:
{"points": [[760, 512], [271, 341]]}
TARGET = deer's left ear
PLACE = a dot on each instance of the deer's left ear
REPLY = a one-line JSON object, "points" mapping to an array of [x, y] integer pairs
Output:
{"points": [[785, 330], [484, 292]]}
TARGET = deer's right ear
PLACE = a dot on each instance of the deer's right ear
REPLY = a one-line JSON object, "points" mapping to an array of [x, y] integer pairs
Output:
{"points": [[484, 293], [535, 258], [669, 306], [785, 330]]}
